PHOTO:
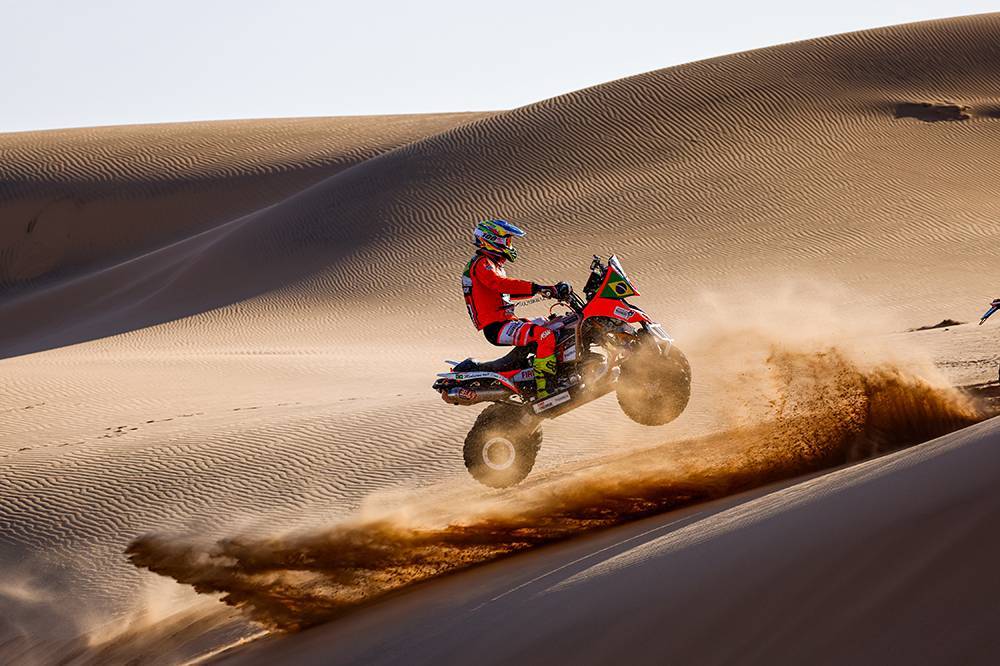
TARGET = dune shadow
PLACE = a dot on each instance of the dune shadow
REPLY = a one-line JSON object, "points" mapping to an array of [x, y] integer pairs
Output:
{"points": [[272, 248], [989, 111]]}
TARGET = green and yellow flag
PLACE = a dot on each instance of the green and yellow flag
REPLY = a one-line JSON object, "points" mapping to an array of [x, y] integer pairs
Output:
{"points": [[617, 287]]}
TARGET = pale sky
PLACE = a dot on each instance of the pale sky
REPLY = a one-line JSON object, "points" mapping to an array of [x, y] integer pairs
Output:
{"points": [[70, 63]]}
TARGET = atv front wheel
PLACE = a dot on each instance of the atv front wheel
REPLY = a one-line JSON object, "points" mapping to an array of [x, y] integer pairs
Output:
{"points": [[655, 386], [500, 449]]}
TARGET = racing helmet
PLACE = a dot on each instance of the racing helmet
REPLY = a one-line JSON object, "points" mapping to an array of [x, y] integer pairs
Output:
{"points": [[497, 236]]}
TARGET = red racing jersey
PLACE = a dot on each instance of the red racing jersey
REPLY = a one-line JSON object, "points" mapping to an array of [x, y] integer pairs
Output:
{"points": [[488, 291]]}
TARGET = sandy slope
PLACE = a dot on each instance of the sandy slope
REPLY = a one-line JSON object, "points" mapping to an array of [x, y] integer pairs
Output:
{"points": [[792, 577], [80, 198], [272, 369]]}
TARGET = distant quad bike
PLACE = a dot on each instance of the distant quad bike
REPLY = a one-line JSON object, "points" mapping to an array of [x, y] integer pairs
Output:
{"points": [[604, 343]]}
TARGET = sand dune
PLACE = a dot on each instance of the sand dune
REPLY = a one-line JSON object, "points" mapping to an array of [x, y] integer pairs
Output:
{"points": [[82, 198], [681, 169], [239, 333]]}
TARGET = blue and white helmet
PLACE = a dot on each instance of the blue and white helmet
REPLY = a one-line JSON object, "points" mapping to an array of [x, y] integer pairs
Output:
{"points": [[496, 235]]}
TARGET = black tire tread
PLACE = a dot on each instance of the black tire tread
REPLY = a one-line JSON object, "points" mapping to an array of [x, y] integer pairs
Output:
{"points": [[527, 442], [674, 368]]}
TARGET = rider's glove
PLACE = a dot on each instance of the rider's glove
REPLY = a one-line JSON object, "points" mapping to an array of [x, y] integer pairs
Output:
{"points": [[996, 301], [559, 291]]}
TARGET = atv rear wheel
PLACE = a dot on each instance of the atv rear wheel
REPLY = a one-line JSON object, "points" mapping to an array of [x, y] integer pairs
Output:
{"points": [[655, 386], [500, 449]]}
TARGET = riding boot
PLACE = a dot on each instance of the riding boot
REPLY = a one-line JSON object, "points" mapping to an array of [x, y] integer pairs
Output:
{"points": [[545, 369]]}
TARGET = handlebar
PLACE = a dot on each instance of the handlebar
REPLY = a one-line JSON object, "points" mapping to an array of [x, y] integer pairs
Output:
{"points": [[572, 299], [568, 298]]}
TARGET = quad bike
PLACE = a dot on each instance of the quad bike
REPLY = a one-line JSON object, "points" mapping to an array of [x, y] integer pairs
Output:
{"points": [[603, 344], [994, 306]]}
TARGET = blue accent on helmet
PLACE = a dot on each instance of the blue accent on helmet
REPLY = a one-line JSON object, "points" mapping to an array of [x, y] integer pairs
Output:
{"points": [[510, 228]]}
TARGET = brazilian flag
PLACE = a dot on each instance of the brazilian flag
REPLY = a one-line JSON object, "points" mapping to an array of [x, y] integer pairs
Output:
{"points": [[617, 287]]}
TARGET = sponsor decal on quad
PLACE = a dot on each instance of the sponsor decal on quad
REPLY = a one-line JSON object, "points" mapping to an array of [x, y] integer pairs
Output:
{"points": [[524, 375], [623, 313], [466, 394], [549, 403], [477, 375]]}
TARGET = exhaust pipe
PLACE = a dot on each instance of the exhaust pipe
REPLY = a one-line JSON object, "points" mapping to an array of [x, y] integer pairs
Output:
{"points": [[466, 396]]}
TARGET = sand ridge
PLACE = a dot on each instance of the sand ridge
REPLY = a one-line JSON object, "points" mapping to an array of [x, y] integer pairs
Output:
{"points": [[792, 565], [696, 162], [81, 198]]}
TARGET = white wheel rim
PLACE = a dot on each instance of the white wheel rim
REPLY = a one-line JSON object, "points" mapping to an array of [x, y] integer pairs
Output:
{"points": [[499, 453]]}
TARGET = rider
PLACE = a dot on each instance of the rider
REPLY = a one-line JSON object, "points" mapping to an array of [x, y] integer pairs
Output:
{"points": [[488, 294]]}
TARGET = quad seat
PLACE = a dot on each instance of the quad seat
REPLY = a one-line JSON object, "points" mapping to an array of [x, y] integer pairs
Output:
{"points": [[515, 359]]}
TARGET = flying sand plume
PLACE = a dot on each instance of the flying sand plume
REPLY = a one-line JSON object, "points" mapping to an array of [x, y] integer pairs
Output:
{"points": [[825, 408]]}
